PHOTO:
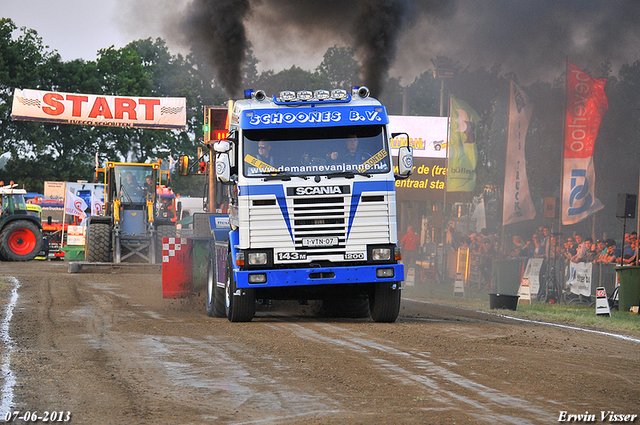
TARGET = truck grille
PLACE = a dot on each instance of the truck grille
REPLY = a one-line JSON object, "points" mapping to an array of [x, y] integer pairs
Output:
{"points": [[318, 222], [319, 226]]}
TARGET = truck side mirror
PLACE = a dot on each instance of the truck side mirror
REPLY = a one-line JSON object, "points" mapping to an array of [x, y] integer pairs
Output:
{"points": [[223, 167], [184, 165], [405, 162], [405, 158], [227, 147], [222, 146]]}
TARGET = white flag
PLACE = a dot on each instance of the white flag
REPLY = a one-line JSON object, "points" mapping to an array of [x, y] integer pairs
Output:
{"points": [[517, 204], [75, 205], [480, 216], [96, 204]]}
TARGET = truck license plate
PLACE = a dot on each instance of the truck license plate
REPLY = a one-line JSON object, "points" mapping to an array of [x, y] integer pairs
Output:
{"points": [[319, 241]]}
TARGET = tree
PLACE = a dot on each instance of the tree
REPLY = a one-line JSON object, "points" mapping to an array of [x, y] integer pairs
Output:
{"points": [[424, 95], [392, 97], [340, 68], [24, 63], [294, 78]]}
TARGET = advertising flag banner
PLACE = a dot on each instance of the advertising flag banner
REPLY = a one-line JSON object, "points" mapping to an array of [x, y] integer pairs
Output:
{"points": [[517, 205], [97, 204], [75, 205], [586, 104], [91, 109], [461, 175]]}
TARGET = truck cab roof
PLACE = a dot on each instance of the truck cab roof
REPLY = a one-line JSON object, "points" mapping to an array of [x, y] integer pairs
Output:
{"points": [[308, 109]]}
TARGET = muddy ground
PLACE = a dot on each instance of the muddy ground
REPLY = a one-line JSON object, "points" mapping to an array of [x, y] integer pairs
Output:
{"points": [[110, 350]]}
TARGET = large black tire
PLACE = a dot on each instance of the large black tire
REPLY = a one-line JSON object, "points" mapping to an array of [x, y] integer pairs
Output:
{"points": [[20, 240], [163, 231], [215, 301], [384, 302], [219, 309], [98, 243], [210, 301], [240, 303]]}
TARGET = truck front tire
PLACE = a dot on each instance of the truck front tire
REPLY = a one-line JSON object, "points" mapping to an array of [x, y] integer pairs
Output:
{"points": [[211, 285], [215, 295], [240, 303], [384, 302]]}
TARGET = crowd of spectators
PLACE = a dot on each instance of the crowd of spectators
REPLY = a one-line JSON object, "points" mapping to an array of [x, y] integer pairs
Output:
{"points": [[542, 244], [575, 249], [484, 243], [547, 245]]}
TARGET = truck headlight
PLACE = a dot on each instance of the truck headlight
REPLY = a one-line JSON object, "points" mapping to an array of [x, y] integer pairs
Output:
{"points": [[381, 254], [257, 258]]}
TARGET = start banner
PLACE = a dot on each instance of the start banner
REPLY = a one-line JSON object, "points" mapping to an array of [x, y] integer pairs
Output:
{"points": [[91, 109]]}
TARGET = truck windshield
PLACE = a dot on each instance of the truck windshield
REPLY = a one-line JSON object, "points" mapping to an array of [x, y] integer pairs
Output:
{"points": [[132, 185], [315, 151]]}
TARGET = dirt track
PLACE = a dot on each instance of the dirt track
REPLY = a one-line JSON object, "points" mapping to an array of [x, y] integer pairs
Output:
{"points": [[110, 350]]}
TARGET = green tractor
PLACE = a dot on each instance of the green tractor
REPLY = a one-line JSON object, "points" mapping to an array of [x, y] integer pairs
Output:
{"points": [[20, 231], [133, 221]]}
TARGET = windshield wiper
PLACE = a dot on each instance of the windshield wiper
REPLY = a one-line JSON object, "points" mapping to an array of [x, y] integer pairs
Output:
{"points": [[348, 174], [282, 175]]}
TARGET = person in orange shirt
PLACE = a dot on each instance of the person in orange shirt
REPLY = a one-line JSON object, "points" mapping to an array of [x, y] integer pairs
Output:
{"points": [[409, 244]]}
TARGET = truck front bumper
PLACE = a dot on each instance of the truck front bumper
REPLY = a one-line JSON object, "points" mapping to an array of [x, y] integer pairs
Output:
{"points": [[319, 276]]}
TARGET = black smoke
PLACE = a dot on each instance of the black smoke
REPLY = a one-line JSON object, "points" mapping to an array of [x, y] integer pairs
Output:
{"points": [[216, 31], [531, 38], [376, 29]]}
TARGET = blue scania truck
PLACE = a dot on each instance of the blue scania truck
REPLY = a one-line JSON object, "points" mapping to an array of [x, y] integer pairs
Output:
{"points": [[308, 181]]}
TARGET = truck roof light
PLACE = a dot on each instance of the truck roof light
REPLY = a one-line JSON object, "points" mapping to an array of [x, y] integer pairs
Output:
{"points": [[339, 94], [321, 94], [360, 91], [305, 95], [287, 96], [260, 95], [248, 93]]}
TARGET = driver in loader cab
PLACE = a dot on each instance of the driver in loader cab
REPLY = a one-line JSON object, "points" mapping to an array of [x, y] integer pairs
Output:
{"points": [[131, 184], [149, 186]]}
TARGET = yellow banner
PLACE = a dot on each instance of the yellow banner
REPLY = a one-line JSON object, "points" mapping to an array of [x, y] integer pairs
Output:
{"points": [[369, 163], [461, 175], [262, 166]]}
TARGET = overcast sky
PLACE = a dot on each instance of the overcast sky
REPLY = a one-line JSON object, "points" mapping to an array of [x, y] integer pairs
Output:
{"points": [[75, 28], [530, 37]]}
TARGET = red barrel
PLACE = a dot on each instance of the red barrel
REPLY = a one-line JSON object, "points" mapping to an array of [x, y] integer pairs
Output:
{"points": [[177, 277]]}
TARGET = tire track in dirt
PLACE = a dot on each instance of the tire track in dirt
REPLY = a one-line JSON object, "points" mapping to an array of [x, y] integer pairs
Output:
{"points": [[449, 390]]}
